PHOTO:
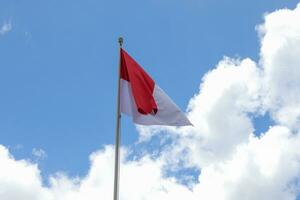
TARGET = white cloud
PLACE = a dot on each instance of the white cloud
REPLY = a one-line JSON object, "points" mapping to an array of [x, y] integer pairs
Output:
{"points": [[20, 180], [39, 153], [5, 28], [264, 168], [280, 59], [234, 163]]}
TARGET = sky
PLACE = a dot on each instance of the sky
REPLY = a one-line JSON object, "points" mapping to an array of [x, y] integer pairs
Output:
{"points": [[232, 66]]}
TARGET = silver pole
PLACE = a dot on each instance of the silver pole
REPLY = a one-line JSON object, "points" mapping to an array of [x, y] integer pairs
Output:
{"points": [[118, 135]]}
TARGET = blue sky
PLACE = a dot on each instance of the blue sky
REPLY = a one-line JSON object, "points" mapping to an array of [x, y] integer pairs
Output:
{"points": [[59, 65]]}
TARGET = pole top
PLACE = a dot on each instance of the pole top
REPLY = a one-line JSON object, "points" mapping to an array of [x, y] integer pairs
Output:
{"points": [[120, 41]]}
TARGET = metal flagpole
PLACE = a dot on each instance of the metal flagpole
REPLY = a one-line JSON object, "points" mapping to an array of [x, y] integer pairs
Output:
{"points": [[118, 135]]}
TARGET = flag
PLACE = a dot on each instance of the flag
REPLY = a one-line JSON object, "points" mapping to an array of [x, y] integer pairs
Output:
{"points": [[143, 100]]}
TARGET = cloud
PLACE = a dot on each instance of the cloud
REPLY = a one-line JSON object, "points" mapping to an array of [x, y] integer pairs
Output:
{"points": [[280, 60], [232, 162], [38, 153], [20, 179], [5, 28], [264, 168]]}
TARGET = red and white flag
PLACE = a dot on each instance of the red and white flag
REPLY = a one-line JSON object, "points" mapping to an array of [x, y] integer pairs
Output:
{"points": [[143, 99]]}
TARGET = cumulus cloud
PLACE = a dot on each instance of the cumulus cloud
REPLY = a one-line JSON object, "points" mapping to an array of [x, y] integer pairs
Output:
{"points": [[5, 28], [20, 179], [233, 163], [263, 168], [280, 60]]}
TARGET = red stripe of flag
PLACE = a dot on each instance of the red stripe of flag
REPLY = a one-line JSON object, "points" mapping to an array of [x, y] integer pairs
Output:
{"points": [[142, 84]]}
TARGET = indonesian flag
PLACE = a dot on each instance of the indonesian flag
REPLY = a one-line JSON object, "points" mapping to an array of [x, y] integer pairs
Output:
{"points": [[143, 99]]}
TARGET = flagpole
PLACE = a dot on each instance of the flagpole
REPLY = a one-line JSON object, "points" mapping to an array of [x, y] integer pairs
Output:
{"points": [[118, 135]]}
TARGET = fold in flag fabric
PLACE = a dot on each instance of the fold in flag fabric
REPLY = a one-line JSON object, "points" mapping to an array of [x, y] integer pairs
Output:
{"points": [[143, 99]]}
